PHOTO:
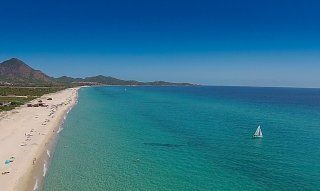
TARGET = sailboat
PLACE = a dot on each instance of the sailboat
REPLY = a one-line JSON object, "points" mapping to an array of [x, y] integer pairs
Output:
{"points": [[258, 133]]}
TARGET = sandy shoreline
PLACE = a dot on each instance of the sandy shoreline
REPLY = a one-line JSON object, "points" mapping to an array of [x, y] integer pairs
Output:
{"points": [[27, 135]]}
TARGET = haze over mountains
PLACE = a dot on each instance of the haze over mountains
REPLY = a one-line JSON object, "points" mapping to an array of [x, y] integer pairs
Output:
{"points": [[17, 73]]}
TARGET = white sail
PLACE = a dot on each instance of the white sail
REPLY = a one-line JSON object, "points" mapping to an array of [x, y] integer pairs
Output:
{"points": [[258, 132]]}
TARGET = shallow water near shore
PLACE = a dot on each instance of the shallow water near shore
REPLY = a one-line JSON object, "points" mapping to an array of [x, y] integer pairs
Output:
{"points": [[189, 138]]}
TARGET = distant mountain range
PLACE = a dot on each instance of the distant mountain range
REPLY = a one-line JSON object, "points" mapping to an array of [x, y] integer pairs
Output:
{"points": [[17, 73]]}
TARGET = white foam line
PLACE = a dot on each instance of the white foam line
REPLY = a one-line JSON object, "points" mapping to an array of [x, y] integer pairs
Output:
{"points": [[59, 130], [44, 168], [48, 153], [36, 185]]}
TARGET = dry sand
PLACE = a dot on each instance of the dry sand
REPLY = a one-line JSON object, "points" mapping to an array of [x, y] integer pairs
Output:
{"points": [[27, 134]]}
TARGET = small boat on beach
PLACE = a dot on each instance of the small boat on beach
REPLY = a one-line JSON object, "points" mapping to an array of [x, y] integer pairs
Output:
{"points": [[258, 133]]}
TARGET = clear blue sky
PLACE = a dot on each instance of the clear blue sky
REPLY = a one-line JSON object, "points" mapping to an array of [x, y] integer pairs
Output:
{"points": [[243, 42]]}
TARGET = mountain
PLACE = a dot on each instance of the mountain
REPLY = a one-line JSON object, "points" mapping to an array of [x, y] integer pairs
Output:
{"points": [[163, 83], [111, 81], [16, 72], [67, 80], [108, 80]]}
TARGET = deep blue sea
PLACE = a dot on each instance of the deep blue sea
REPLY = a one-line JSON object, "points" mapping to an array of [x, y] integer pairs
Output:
{"points": [[189, 138]]}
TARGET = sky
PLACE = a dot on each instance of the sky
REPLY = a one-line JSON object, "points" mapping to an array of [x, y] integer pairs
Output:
{"points": [[226, 42]]}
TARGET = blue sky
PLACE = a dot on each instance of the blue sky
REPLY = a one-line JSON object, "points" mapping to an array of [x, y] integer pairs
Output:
{"points": [[247, 42]]}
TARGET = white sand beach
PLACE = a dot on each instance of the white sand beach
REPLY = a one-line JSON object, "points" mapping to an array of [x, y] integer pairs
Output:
{"points": [[26, 137]]}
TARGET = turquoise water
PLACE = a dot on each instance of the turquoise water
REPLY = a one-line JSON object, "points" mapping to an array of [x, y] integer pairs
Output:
{"points": [[189, 138]]}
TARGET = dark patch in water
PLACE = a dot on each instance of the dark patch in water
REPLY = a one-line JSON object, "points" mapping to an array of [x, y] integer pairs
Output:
{"points": [[163, 145]]}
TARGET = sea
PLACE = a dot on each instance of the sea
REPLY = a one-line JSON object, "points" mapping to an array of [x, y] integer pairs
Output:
{"points": [[189, 138]]}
